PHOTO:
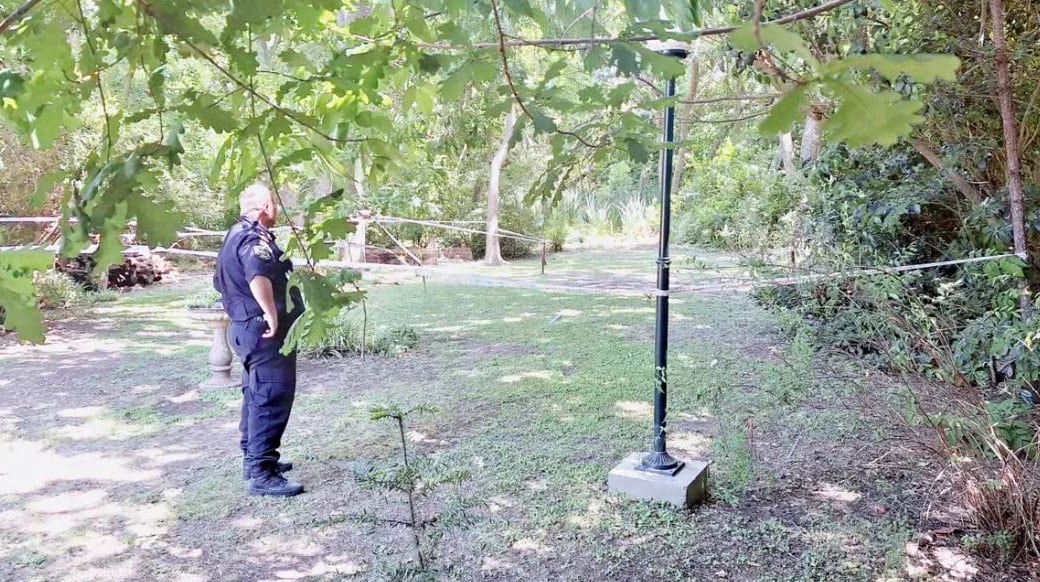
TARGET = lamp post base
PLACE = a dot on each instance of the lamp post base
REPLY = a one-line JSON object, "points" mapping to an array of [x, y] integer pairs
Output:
{"points": [[660, 463], [684, 488]]}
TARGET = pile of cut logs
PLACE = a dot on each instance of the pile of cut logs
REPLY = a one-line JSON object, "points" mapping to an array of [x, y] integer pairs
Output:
{"points": [[139, 268]]}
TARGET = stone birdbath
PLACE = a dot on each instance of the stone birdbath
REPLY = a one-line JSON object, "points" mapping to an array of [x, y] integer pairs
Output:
{"points": [[208, 310]]}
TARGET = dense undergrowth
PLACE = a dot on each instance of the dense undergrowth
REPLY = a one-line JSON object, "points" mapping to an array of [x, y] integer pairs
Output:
{"points": [[959, 329]]}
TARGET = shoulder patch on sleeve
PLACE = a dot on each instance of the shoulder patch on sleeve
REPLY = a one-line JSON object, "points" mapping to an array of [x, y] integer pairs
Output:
{"points": [[263, 251]]}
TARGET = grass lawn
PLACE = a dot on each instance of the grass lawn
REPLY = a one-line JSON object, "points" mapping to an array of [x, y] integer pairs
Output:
{"points": [[114, 466]]}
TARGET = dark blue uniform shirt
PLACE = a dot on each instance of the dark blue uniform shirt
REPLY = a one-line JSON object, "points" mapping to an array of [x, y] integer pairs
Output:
{"points": [[249, 250]]}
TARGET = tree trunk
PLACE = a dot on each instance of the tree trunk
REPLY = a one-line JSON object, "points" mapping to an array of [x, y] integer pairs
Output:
{"points": [[359, 178], [812, 137], [963, 186], [493, 252], [679, 159], [787, 154], [1007, 114]]}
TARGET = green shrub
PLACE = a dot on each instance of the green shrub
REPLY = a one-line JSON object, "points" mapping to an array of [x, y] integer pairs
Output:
{"points": [[345, 338], [514, 217], [733, 201], [57, 290], [397, 341], [340, 339], [557, 229], [100, 296], [203, 299]]}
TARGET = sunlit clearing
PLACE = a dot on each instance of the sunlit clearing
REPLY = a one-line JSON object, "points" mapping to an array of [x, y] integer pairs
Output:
{"points": [[833, 492], [633, 410], [28, 466], [82, 412], [690, 444], [528, 545], [538, 375], [448, 329], [590, 518], [325, 567], [189, 396]]}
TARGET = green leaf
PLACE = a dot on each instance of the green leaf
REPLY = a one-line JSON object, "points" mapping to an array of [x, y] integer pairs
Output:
{"points": [[245, 62], [415, 22], [865, 118], [252, 12], [520, 7], [542, 122], [11, 85], [664, 65], [422, 96], [156, 221], [624, 58], [772, 34], [642, 9], [924, 68], [205, 109], [172, 141], [299, 156], [172, 18], [637, 151], [156, 82], [45, 126], [785, 112], [486, 71], [25, 261], [453, 87], [553, 71], [325, 299], [110, 247], [1013, 266], [21, 312], [45, 186], [595, 59], [296, 59], [218, 164]]}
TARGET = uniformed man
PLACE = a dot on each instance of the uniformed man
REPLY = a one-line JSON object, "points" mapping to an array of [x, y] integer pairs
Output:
{"points": [[252, 279]]}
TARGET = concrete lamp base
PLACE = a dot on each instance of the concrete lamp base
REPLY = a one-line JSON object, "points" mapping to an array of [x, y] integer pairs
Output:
{"points": [[684, 489]]}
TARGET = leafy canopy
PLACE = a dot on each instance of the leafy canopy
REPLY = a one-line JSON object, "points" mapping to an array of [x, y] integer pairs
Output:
{"points": [[330, 82]]}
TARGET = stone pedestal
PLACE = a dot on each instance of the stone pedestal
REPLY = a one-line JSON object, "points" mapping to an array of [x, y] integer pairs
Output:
{"points": [[684, 489], [220, 356]]}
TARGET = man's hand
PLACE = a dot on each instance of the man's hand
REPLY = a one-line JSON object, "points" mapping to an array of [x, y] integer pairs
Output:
{"points": [[272, 325], [263, 292]]}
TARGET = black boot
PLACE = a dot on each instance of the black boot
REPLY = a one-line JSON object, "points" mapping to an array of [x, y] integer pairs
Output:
{"points": [[282, 468], [274, 484]]}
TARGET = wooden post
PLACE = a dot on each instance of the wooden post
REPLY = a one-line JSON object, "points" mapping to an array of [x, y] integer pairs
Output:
{"points": [[543, 257]]}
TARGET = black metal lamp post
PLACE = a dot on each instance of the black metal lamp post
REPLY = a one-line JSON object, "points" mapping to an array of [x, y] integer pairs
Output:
{"points": [[658, 460]]}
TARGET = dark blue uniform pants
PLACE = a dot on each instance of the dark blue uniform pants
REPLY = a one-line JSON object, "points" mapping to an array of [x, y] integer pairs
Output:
{"points": [[268, 390]]}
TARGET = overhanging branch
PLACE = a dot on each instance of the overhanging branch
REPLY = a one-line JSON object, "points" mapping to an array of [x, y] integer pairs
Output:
{"points": [[512, 85], [17, 15], [563, 42]]}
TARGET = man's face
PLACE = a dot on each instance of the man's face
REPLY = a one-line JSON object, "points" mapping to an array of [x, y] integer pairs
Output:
{"points": [[269, 212]]}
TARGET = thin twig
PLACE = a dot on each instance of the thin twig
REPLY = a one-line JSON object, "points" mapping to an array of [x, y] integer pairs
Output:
{"points": [[733, 98], [708, 100], [17, 15], [100, 80], [286, 112], [756, 21], [720, 121], [270, 170], [512, 85], [591, 41], [364, 322], [140, 60], [293, 77]]}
